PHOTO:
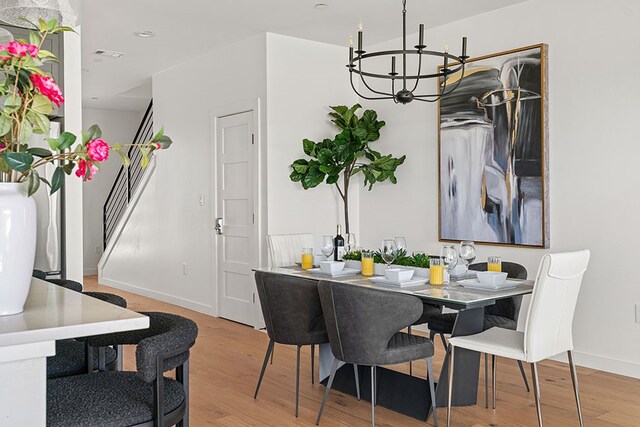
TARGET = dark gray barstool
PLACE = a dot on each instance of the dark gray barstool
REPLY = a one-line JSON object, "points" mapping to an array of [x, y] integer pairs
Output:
{"points": [[364, 328], [141, 398], [503, 314], [292, 315]]}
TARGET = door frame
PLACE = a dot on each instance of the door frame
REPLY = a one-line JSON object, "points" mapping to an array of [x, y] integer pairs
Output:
{"points": [[259, 194]]}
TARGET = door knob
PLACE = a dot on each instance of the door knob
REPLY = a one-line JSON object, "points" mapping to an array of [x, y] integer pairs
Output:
{"points": [[218, 226]]}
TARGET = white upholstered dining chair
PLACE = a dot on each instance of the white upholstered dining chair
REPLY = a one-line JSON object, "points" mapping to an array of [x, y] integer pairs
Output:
{"points": [[285, 249], [548, 328]]}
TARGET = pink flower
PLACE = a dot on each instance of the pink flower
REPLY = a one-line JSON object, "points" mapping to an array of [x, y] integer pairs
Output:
{"points": [[22, 49], [81, 172], [4, 47], [98, 150], [48, 87], [2, 146]]}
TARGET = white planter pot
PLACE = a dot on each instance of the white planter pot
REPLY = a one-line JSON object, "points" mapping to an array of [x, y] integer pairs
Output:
{"points": [[17, 246], [353, 264], [421, 272]]}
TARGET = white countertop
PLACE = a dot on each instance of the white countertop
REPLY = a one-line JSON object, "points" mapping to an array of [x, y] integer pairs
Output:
{"points": [[53, 313]]}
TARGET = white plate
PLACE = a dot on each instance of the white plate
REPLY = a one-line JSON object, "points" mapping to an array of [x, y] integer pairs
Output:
{"points": [[416, 281], [344, 272], [475, 284]]}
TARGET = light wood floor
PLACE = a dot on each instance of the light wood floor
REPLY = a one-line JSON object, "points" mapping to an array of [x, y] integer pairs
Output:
{"points": [[226, 361]]}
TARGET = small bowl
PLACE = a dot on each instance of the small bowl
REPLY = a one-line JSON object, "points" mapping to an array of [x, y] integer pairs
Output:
{"points": [[491, 278], [332, 266], [398, 274]]}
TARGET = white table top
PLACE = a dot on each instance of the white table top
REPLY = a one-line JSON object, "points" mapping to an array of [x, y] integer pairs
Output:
{"points": [[53, 313]]}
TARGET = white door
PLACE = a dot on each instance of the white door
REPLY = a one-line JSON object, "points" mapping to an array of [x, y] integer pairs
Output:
{"points": [[236, 241]]}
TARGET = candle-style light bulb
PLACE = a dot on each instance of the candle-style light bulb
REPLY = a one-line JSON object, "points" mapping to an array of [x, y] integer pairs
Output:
{"points": [[421, 35], [464, 46], [446, 48], [350, 41], [393, 65], [360, 25]]}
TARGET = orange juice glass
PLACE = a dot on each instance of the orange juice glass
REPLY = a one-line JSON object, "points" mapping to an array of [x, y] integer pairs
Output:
{"points": [[367, 263], [494, 263], [307, 258], [436, 272]]}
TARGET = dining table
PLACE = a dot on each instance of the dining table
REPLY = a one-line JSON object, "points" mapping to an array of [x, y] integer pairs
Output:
{"points": [[401, 392], [51, 313]]}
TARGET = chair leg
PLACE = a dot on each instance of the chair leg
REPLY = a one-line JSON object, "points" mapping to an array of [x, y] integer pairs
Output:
{"points": [[536, 392], [375, 384], [328, 389], [373, 396], [444, 341], [119, 352], [264, 366], [450, 391], [88, 354], [432, 390], [574, 380], [297, 377], [272, 351], [524, 376], [357, 377], [410, 362], [486, 380], [182, 376], [102, 359], [494, 364], [313, 355]]}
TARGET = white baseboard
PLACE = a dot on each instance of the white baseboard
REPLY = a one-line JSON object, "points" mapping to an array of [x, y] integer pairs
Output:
{"points": [[160, 296], [90, 272], [620, 367]]}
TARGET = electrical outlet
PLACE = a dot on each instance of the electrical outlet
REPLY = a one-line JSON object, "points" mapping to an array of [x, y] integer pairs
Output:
{"points": [[185, 269], [637, 313], [98, 250], [201, 200]]}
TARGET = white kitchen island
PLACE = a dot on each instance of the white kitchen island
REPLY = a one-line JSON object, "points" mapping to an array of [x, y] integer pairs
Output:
{"points": [[27, 339]]}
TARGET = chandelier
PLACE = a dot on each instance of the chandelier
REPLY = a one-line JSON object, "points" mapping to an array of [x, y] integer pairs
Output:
{"points": [[408, 82], [66, 12]]}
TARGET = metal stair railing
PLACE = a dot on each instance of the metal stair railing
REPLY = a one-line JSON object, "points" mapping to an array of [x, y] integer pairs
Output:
{"points": [[127, 180]]}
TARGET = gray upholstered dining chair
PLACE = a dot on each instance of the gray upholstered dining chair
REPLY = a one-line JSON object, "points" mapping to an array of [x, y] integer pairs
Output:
{"points": [[141, 398], [503, 314], [548, 330], [364, 328], [293, 315]]}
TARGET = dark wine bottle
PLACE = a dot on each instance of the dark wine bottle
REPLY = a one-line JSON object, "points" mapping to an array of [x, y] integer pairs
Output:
{"points": [[338, 246]]}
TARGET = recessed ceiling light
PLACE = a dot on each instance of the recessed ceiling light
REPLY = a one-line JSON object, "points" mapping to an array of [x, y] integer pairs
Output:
{"points": [[321, 6], [144, 34], [109, 53]]}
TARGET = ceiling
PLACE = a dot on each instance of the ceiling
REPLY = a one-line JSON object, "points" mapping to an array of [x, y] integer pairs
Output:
{"points": [[190, 28]]}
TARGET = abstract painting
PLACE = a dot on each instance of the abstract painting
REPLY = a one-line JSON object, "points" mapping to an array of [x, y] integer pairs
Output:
{"points": [[493, 176]]}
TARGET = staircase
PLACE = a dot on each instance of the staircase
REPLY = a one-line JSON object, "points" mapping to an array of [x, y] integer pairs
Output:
{"points": [[126, 181]]}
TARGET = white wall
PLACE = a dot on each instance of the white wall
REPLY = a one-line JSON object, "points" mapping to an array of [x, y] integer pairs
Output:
{"points": [[593, 109], [168, 227], [117, 127], [304, 78]]}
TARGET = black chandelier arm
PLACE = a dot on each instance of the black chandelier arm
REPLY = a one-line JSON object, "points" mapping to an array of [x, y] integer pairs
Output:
{"points": [[415, 86], [441, 94], [371, 98], [368, 87]]}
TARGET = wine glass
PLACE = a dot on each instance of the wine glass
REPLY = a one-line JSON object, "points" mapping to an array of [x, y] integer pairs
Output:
{"points": [[351, 242], [389, 251], [401, 243], [449, 257], [467, 252], [326, 246]]}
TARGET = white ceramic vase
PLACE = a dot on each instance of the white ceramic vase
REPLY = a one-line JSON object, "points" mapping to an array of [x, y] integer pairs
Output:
{"points": [[17, 246]]}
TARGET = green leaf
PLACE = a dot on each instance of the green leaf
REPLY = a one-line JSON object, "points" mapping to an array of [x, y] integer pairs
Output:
{"points": [[309, 147], [20, 161], [39, 121], [12, 103], [312, 180], [295, 176], [66, 140], [57, 179], [3, 165], [126, 161], [325, 156], [5, 125], [332, 179], [159, 135], [68, 168], [164, 141], [34, 182], [94, 132], [27, 131], [34, 38], [39, 152], [300, 166], [41, 104], [53, 143]]}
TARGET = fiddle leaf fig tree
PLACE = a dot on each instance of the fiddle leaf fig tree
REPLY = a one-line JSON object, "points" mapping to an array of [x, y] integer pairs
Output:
{"points": [[335, 161]]}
